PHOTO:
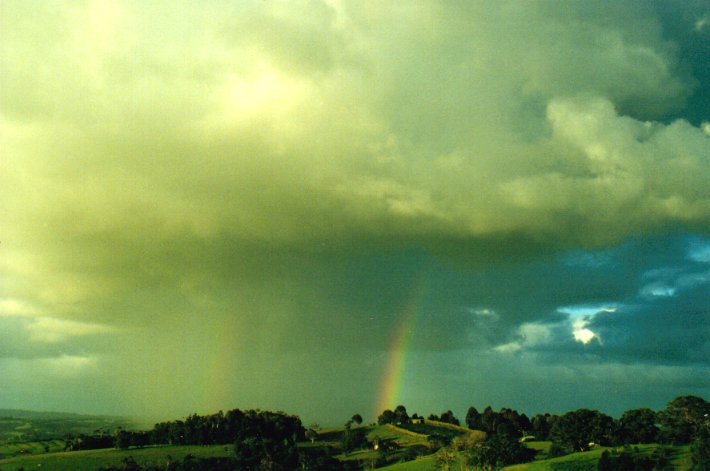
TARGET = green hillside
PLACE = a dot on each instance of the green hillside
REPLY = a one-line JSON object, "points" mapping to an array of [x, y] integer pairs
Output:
{"points": [[90, 460], [679, 459], [18, 426], [588, 460]]}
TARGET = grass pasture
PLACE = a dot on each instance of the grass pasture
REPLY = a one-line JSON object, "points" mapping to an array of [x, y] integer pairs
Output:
{"points": [[90, 460], [8, 450], [423, 463], [25, 426], [680, 458], [407, 445], [398, 434], [445, 433]]}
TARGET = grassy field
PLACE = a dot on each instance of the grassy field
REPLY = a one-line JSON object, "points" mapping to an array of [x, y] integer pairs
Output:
{"points": [[90, 460], [680, 458], [424, 463], [8, 450], [386, 432], [446, 432], [405, 442], [25, 426], [585, 460]]}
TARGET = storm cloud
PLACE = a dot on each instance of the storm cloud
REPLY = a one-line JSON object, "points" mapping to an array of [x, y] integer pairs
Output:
{"points": [[216, 194]]}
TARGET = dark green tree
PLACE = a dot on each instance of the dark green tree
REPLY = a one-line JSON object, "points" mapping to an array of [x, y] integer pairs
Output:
{"points": [[574, 431], [266, 453], [700, 448], [473, 419], [449, 418], [123, 439], [489, 419], [353, 439], [683, 419], [357, 418], [311, 434], [387, 417], [541, 426], [318, 459], [638, 426], [499, 450], [400, 415]]}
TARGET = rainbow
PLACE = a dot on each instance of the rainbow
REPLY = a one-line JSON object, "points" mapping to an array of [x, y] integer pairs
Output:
{"points": [[391, 386]]}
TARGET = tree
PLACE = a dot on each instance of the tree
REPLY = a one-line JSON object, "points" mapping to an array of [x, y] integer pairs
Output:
{"points": [[400, 415], [123, 439], [448, 417], [574, 431], [353, 439], [700, 449], [311, 434], [683, 419], [257, 452], [473, 419], [541, 426], [267, 440], [312, 431], [444, 459], [387, 417], [469, 441], [357, 418], [318, 459], [638, 426], [500, 450]]}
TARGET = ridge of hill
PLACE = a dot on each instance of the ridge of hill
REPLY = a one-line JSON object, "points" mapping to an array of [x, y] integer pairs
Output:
{"points": [[52, 415]]}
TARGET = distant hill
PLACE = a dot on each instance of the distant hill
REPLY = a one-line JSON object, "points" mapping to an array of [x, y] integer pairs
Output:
{"points": [[33, 414], [19, 425]]}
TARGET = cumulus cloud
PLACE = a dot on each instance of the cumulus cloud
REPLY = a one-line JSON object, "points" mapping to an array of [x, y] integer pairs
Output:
{"points": [[10, 307], [47, 329], [699, 251], [264, 147]]}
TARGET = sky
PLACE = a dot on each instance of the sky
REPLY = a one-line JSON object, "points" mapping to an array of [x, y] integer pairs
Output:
{"points": [[331, 207]]}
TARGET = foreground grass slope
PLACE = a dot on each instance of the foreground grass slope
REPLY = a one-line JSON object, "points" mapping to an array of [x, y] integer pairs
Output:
{"points": [[680, 459], [576, 461], [8, 450], [90, 460]]}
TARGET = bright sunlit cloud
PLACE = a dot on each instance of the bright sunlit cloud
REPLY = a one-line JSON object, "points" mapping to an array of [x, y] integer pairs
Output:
{"points": [[10, 307], [580, 331]]}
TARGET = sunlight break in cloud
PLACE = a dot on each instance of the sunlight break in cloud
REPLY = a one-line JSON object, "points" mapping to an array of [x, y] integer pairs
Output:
{"points": [[581, 316], [580, 331]]}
